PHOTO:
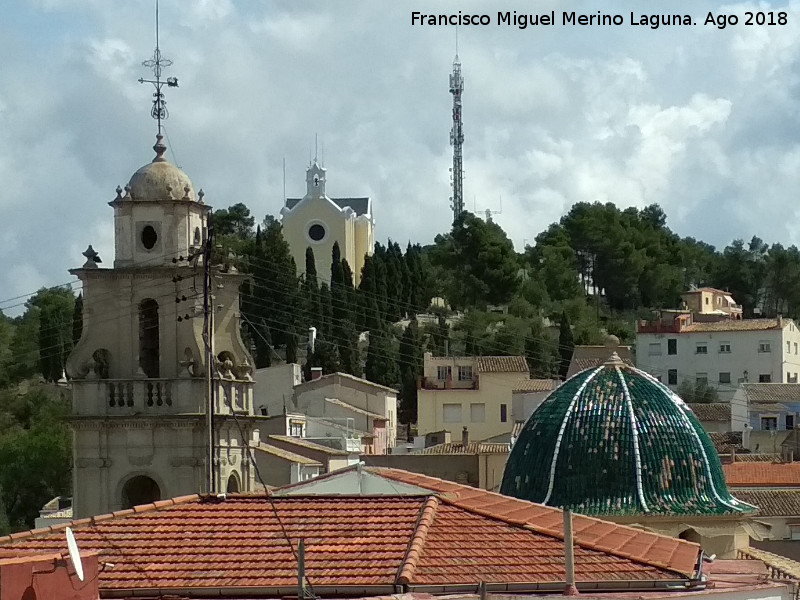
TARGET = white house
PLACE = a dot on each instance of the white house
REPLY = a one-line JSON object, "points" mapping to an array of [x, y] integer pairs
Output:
{"points": [[676, 348]]}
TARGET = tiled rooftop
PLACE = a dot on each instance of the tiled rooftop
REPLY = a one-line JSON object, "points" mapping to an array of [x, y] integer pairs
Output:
{"points": [[772, 503], [342, 379], [769, 393], [735, 325], [534, 385], [286, 455], [501, 364], [307, 444], [589, 532], [237, 543], [590, 357], [470, 448], [711, 411], [724, 441], [754, 474]]}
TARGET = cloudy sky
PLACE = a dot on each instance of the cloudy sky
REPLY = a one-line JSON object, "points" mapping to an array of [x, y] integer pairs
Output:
{"points": [[700, 120]]}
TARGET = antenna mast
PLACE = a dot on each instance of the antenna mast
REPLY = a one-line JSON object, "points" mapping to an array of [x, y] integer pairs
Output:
{"points": [[457, 139], [157, 63]]}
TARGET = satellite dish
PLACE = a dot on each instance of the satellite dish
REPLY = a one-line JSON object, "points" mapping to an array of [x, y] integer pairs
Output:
{"points": [[74, 555]]}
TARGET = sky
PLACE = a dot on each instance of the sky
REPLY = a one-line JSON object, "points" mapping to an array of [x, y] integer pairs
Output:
{"points": [[701, 120]]}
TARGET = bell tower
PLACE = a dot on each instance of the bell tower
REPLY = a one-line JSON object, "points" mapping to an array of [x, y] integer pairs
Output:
{"points": [[162, 383]]}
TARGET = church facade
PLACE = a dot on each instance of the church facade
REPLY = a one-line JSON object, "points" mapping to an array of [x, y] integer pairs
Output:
{"points": [[139, 372], [316, 221]]}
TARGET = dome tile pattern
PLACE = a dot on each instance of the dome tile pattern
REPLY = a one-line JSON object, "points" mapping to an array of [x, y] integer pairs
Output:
{"points": [[615, 441]]}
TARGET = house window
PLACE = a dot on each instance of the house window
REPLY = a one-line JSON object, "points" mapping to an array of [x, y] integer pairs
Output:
{"points": [[765, 378], [724, 347], [296, 428], [701, 349], [672, 377], [672, 346], [769, 423], [503, 413], [764, 347], [789, 422], [791, 378], [465, 373], [444, 373], [788, 347], [706, 299], [451, 413], [477, 413], [724, 377], [794, 531], [655, 349], [701, 378], [795, 347]]}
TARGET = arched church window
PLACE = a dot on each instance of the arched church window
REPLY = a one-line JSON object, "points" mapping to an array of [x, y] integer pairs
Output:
{"points": [[316, 232], [196, 236], [140, 489], [149, 237], [148, 337], [233, 484]]}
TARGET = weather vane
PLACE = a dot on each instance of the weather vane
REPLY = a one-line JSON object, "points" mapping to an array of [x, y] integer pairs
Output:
{"points": [[157, 63]]}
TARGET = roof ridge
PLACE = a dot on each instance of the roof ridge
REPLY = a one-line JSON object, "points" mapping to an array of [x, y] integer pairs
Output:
{"points": [[416, 544]]}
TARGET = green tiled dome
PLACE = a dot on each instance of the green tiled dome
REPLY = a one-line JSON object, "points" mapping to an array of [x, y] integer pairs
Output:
{"points": [[614, 441]]}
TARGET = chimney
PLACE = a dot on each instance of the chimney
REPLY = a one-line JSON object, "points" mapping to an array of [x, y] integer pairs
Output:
{"points": [[316, 372], [312, 338], [570, 589], [465, 437], [780, 321], [746, 436]]}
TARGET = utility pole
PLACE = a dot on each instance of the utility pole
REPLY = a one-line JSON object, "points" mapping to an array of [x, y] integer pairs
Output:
{"points": [[208, 342]]}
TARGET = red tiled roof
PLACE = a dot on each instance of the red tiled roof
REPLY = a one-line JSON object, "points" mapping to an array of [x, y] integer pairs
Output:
{"points": [[755, 474], [470, 448], [590, 357], [501, 364], [589, 532], [534, 385], [772, 503], [769, 393], [735, 325], [712, 411], [237, 543]]}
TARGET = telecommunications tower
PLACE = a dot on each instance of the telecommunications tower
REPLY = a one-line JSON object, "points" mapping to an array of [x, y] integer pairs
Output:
{"points": [[457, 140]]}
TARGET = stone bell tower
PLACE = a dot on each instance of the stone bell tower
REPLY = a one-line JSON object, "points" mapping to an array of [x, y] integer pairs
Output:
{"points": [[140, 381]]}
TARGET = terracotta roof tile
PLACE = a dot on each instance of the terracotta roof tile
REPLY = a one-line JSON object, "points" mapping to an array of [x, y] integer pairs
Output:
{"points": [[471, 448], [590, 532], [286, 454], [768, 393], [307, 444], [754, 474], [590, 357], [711, 411], [723, 442], [501, 364], [772, 503], [238, 542], [735, 325], [535, 385]]}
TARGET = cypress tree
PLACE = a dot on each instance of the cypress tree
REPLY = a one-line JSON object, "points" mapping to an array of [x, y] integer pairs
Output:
{"points": [[566, 345], [381, 364]]}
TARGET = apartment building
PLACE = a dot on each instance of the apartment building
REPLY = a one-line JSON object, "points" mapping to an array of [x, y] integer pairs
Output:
{"points": [[469, 391], [676, 347]]}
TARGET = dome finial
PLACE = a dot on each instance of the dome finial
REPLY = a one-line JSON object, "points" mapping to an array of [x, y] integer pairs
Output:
{"points": [[160, 149], [614, 361]]}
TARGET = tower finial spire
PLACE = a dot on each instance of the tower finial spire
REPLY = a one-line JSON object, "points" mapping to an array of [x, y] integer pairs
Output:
{"points": [[457, 139], [157, 64]]}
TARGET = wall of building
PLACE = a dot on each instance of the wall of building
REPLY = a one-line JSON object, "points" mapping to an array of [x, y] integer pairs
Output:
{"points": [[461, 468], [48, 577], [436, 407], [274, 388], [524, 403], [652, 356], [310, 399]]}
